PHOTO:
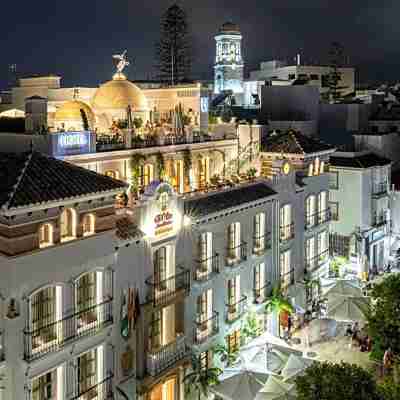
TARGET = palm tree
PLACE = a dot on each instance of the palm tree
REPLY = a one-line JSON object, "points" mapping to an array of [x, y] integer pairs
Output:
{"points": [[201, 379]]}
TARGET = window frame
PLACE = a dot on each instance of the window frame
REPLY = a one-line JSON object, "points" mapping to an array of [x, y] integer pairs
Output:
{"points": [[332, 204], [336, 174]]}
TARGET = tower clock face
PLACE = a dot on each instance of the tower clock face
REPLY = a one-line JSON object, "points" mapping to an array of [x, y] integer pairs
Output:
{"points": [[286, 168]]}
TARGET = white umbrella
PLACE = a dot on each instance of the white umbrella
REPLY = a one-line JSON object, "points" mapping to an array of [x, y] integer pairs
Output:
{"points": [[295, 366], [348, 308], [276, 389], [343, 287], [242, 386]]}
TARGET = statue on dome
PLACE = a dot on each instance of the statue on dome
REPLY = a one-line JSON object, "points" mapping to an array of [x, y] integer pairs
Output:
{"points": [[121, 64]]}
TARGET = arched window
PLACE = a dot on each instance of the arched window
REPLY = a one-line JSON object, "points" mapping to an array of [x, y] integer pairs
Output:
{"points": [[112, 174], [45, 235], [68, 225], [88, 224]]}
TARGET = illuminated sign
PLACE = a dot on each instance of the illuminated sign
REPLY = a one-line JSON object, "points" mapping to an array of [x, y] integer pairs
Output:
{"points": [[71, 143], [164, 220]]}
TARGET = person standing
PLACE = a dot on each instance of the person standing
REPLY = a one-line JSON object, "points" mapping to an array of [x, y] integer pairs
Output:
{"points": [[387, 361]]}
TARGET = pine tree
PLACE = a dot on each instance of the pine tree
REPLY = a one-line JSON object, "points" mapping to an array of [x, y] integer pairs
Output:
{"points": [[173, 51]]}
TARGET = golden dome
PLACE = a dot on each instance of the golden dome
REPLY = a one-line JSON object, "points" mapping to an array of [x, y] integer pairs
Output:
{"points": [[71, 111], [119, 94]]}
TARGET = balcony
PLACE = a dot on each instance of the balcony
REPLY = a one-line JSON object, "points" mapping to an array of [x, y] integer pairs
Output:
{"points": [[52, 337], [286, 232], [102, 390], [379, 221], [163, 358], [165, 291], [261, 293], [379, 189], [318, 218], [234, 255], [236, 310], [261, 244], [205, 329], [312, 264], [207, 268]]}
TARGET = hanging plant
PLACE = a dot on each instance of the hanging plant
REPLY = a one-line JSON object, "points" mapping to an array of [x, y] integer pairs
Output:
{"points": [[160, 165], [136, 162]]}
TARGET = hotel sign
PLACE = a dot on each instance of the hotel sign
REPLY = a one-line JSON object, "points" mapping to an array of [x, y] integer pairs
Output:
{"points": [[71, 143], [164, 219]]}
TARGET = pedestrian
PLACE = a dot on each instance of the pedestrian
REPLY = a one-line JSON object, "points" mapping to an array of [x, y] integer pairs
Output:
{"points": [[387, 361], [289, 326]]}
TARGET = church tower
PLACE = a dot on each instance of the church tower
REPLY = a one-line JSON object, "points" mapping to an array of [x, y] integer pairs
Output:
{"points": [[228, 68]]}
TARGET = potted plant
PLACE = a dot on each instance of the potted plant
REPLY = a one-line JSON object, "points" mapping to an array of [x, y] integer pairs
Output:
{"points": [[251, 173]]}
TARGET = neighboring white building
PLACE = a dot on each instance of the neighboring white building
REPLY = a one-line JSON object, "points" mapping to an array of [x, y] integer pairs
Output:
{"points": [[316, 75], [360, 206]]}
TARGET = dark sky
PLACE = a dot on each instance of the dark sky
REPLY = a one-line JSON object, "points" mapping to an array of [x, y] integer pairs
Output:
{"points": [[76, 38]]}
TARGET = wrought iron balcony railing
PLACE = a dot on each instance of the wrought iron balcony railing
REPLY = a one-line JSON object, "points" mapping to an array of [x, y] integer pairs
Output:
{"points": [[205, 328], [52, 336], [261, 293], [261, 243], [162, 292], [236, 254], [379, 189], [235, 310], [286, 232], [207, 268], [316, 219], [102, 390], [161, 359], [311, 264]]}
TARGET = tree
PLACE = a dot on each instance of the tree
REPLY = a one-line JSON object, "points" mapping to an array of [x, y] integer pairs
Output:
{"points": [[278, 302], [137, 160], [173, 51], [336, 54], [383, 319], [85, 121], [327, 381], [389, 389], [201, 379]]}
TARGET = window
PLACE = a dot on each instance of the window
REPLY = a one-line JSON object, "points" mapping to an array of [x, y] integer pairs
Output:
{"points": [[45, 387], [310, 211], [322, 167], [322, 246], [314, 77], [291, 77], [334, 180], [68, 225], [317, 166], [311, 169], [160, 267], [334, 207], [112, 174], [259, 280], [45, 235], [88, 225], [147, 173], [86, 299], [43, 309], [88, 374], [234, 240], [205, 360], [233, 342], [310, 253], [205, 251], [204, 306], [322, 207], [286, 225], [155, 330], [287, 273], [259, 231]]}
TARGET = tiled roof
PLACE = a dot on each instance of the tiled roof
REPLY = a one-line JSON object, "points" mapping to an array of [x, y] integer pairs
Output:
{"points": [[31, 178], [359, 161], [293, 142], [127, 229], [227, 199]]}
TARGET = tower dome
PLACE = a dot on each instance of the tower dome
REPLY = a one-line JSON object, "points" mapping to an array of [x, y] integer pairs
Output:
{"points": [[229, 27]]}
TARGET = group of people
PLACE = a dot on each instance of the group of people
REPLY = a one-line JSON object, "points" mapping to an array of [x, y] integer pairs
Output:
{"points": [[358, 339]]}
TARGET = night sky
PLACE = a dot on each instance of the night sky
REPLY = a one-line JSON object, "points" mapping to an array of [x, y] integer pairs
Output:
{"points": [[77, 38]]}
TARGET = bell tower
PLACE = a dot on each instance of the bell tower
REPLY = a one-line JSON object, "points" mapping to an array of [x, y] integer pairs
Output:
{"points": [[228, 68]]}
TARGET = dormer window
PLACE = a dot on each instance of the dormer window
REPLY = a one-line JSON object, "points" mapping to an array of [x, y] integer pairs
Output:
{"points": [[68, 225], [88, 225], [46, 235]]}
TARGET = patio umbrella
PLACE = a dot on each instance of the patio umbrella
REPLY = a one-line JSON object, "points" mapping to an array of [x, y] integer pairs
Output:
{"points": [[295, 366], [264, 358], [242, 386], [348, 308], [343, 287], [276, 389]]}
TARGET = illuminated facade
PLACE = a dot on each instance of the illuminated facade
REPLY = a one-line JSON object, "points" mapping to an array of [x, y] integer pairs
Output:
{"points": [[228, 67]]}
